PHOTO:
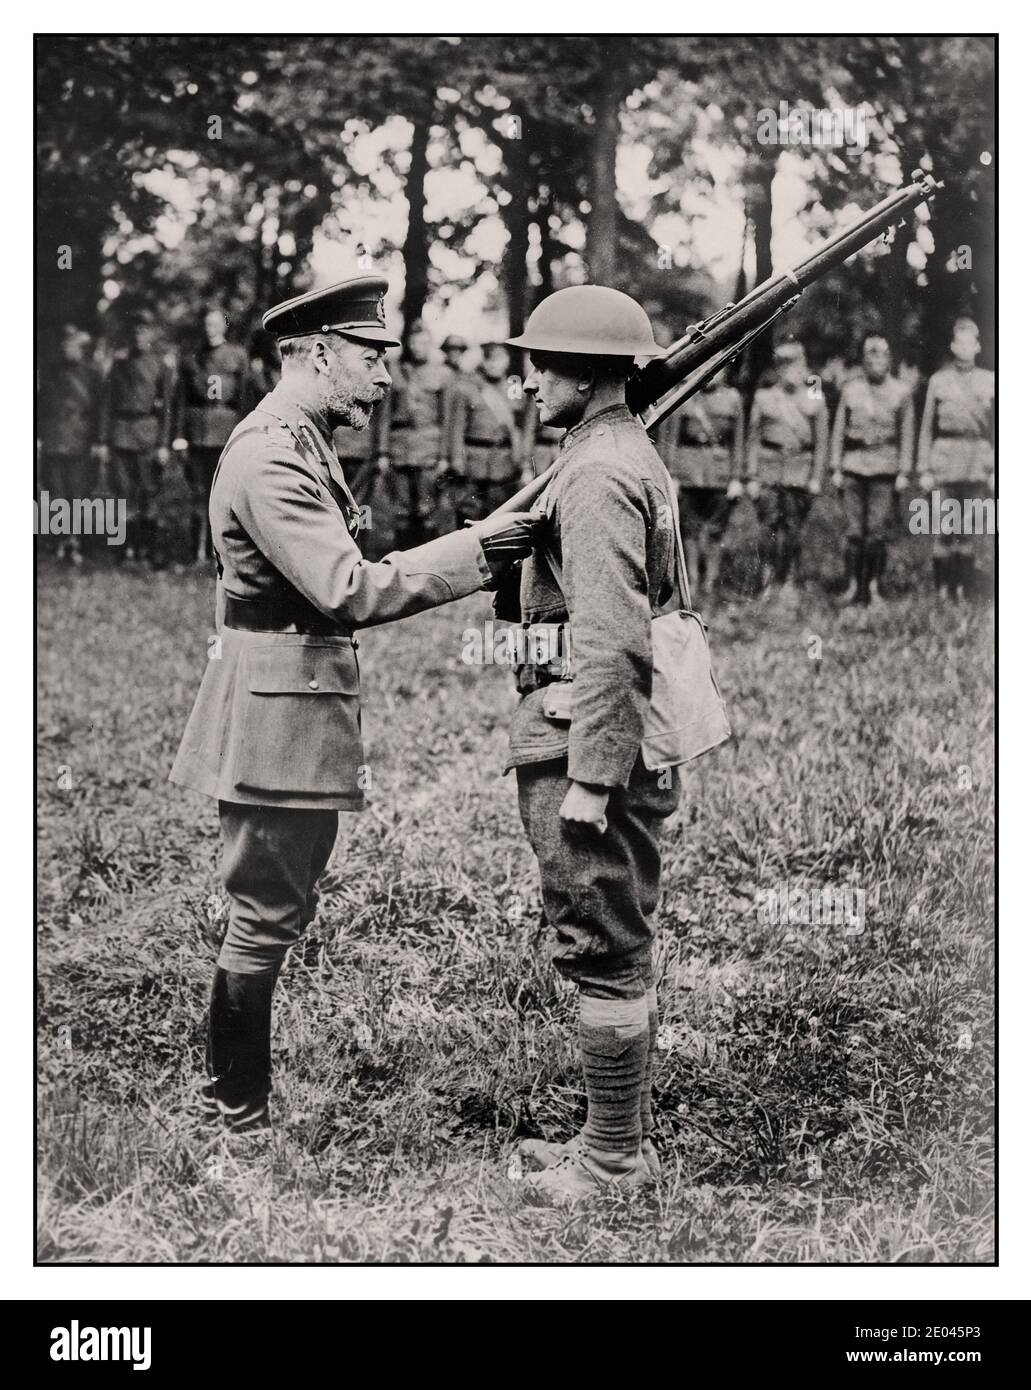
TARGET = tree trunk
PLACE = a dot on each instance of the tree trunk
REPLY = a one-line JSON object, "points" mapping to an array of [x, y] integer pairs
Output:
{"points": [[602, 249], [416, 248], [516, 215], [760, 168]]}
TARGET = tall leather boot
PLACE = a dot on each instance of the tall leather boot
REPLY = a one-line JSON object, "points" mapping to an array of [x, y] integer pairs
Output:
{"points": [[876, 560], [240, 1048], [853, 565]]}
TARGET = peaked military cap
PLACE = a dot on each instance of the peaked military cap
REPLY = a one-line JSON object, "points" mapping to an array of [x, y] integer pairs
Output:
{"points": [[352, 307]]}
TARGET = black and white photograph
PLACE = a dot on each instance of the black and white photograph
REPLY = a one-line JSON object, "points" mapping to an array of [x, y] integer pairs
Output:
{"points": [[515, 541]]}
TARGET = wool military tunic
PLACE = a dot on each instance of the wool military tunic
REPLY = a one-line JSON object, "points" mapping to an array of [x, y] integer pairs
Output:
{"points": [[68, 408], [700, 442], [961, 405], [213, 391], [137, 403], [784, 421], [411, 425], [277, 719], [610, 526], [484, 433], [872, 426]]}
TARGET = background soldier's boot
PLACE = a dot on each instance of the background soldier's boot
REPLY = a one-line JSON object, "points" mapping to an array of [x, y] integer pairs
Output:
{"points": [[952, 574], [876, 556], [966, 571], [240, 1047], [853, 563], [614, 1044], [863, 573]]}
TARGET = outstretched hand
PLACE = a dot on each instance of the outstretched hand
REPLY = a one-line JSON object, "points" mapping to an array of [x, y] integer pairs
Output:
{"points": [[505, 539]]}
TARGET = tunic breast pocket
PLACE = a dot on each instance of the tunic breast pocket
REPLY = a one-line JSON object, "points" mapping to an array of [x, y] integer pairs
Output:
{"points": [[301, 726]]}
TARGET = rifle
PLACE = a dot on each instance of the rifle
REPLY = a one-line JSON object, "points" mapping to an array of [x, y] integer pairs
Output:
{"points": [[656, 390]]}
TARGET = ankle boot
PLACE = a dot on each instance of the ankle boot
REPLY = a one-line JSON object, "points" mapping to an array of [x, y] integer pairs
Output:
{"points": [[240, 1047]]}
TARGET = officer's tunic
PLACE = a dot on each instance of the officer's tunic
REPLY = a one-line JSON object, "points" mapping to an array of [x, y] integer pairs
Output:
{"points": [[275, 733], [610, 528], [276, 721]]}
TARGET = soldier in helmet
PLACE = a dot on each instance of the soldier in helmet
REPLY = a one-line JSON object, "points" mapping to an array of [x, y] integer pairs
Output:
{"points": [[957, 448], [410, 437], [604, 563], [275, 736], [787, 454], [485, 438], [871, 456], [702, 444], [454, 349], [136, 429]]}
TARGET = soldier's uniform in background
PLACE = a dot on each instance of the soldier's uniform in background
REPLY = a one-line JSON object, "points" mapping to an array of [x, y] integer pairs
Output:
{"points": [[957, 447], [410, 433], [214, 392], [484, 445], [789, 427], [702, 445], [136, 421], [872, 427], [68, 428]]}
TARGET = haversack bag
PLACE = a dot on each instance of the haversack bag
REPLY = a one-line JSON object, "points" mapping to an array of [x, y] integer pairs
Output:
{"points": [[687, 715]]}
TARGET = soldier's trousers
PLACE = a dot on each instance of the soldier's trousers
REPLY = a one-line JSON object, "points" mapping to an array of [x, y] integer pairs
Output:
{"points": [[869, 504], [272, 859], [600, 891], [136, 477], [953, 546], [415, 497], [199, 468], [783, 511]]}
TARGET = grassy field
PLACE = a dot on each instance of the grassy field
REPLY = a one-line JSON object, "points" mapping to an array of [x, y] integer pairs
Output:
{"points": [[822, 1094]]}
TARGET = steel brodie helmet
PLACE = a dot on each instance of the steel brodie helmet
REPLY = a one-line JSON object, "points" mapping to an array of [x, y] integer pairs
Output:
{"points": [[589, 321]]}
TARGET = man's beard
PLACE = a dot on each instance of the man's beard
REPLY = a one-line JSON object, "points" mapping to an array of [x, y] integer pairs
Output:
{"points": [[351, 411]]}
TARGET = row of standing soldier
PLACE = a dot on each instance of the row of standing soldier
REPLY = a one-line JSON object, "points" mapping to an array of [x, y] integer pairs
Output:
{"points": [[466, 438]]}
